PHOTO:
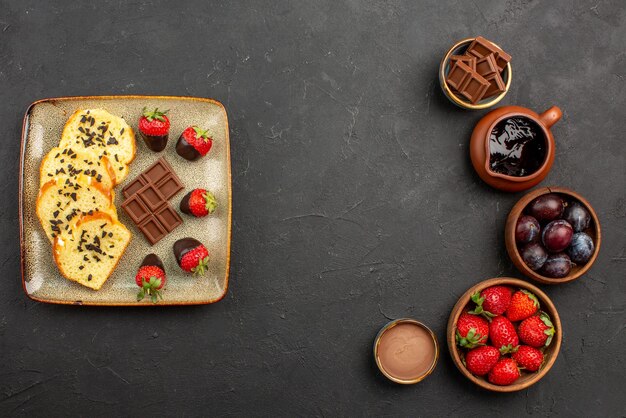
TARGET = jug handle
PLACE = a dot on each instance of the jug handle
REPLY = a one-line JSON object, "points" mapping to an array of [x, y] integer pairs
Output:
{"points": [[550, 116]]}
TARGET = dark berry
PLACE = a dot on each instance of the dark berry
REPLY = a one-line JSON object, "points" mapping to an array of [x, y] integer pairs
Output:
{"points": [[578, 216], [527, 229], [547, 207], [557, 235], [581, 249], [557, 265], [534, 255]]}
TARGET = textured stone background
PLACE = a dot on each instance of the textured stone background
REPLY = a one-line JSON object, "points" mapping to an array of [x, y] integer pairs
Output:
{"points": [[354, 202]]}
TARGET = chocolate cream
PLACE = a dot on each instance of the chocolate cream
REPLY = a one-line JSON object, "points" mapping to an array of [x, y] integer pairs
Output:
{"points": [[406, 351]]}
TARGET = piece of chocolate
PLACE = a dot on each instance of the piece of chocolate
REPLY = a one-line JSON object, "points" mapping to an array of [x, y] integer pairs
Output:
{"points": [[152, 229], [185, 150], [496, 85], [183, 246], [502, 59], [458, 74], [474, 87], [481, 47], [147, 202], [135, 209], [132, 187], [169, 218], [486, 66], [152, 197], [169, 186], [468, 60], [153, 260]]}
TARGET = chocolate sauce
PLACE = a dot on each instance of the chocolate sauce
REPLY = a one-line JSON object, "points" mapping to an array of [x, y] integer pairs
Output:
{"points": [[183, 246], [153, 260], [184, 204], [156, 143], [185, 150], [517, 147]]}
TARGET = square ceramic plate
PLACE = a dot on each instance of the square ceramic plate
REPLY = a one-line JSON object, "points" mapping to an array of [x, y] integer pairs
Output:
{"points": [[43, 124]]}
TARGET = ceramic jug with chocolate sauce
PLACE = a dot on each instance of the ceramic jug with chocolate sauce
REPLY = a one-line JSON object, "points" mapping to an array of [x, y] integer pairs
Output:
{"points": [[512, 147]]}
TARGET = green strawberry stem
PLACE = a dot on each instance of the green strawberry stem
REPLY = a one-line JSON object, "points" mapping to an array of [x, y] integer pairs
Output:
{"points": [[508, 349], [154, 114], [471, 340], [150, 287], [211, 202], [478, 310], [545, 318], [202, 267], [202, 134]]}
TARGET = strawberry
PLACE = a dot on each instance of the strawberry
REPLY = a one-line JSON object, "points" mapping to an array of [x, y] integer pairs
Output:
{"points": [[194, 143], [154, 128], [198, 203], [528, 357], [502, 334], [492, 301], [192, 256], [151, 278], [480, 360], [523, 305], [504, 373], [471, 330], [536, 331]]}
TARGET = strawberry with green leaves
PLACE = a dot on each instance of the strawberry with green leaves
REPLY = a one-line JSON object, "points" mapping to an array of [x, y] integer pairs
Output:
{"points": [[504, 373], [192, 256], [528, 357], [523, 305], [537, 331], [492, 301], [151, 278], [194, 143], [480, 360], [154, 127], [502, 334], [471, 330], [198, 203]]}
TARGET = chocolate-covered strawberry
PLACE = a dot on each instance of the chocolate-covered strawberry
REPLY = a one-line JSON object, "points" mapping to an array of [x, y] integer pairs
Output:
{"points": [[198, 203], [151, 278], [192, 256], [194, 143], [154, 128]]}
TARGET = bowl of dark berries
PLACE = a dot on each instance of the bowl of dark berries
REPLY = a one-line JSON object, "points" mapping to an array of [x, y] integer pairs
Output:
{"points": [[553, 235], [504, 334]]}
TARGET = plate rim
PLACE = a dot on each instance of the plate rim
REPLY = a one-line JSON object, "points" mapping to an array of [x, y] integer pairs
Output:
{"points": [[25, 126]]}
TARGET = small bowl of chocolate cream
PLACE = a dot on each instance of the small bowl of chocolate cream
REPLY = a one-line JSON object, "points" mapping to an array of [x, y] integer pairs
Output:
{"points": [[406, 351]]}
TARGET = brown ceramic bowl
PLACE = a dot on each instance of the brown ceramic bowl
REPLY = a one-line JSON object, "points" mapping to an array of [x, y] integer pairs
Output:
{"points": [[509, 235], [550, 353]]}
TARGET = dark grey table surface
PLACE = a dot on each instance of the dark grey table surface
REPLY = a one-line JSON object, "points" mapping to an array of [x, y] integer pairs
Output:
{"points": [[354, 202]]}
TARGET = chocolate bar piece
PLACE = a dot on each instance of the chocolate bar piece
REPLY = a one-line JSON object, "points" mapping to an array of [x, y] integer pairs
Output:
{"points": [[481, 47], [468, 60], [496, 85], [458, 74], [486, 65], [147, 202], [474, 87], [502, 59]]}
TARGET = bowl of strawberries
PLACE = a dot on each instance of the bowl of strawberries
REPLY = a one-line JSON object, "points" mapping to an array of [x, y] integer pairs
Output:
{"points": [[504, 334]]}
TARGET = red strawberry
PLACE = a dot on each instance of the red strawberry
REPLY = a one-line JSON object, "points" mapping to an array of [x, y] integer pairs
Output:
{"points": [[192, 256], [198, 203], [528, 357], [502, 334], [504, 373], [481, 359], [471, 330], [492, 301], [154, 127], [523, 305], [194, 143], [536, 331], [151, 278]]}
